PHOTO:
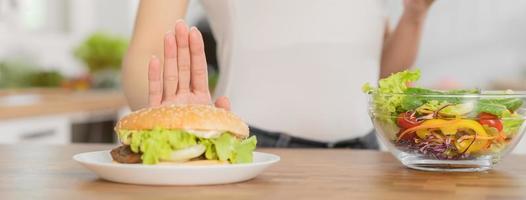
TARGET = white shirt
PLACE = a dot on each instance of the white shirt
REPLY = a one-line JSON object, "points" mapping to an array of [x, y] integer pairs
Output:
{"points": [[297, 66]]}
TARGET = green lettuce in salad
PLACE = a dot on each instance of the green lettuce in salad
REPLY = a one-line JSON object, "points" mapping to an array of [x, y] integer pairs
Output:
{"points": [[394, 84], [512, 123], [158, 144], [413, 101], [393, 96], [500, 107]]}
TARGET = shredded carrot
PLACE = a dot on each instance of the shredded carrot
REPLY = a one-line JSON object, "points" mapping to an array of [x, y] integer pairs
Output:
{"points": [[487, 146]]}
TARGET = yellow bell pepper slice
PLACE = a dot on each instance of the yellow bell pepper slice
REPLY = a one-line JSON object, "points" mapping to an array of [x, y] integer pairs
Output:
{"points": [[445, 126], [478, 142], [450, 127]]}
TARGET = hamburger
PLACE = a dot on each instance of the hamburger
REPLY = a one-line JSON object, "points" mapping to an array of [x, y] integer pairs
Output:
{"points": [[183, 134]]}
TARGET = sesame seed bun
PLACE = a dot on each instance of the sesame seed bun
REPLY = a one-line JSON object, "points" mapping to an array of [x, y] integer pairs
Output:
{"points": [[184, 117]]}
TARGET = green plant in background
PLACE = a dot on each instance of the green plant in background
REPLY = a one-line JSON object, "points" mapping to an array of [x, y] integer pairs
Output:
{"points": [[101, 51], [102, 54], [46, 79], [16, 73]]}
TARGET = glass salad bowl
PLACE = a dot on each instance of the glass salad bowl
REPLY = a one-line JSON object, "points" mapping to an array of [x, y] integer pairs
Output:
{"points": [[449, 131]]}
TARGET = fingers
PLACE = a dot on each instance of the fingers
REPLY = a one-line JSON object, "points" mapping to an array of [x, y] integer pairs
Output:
{"points": [[223, 102], [155, 93], [183, 57], [170, 73], [199, 72]]}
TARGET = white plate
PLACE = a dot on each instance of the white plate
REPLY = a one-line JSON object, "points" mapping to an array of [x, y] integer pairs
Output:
{"points": [[101, 163]]}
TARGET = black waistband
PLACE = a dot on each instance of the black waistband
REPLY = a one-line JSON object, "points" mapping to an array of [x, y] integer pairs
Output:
{"points": [[282, 140]]}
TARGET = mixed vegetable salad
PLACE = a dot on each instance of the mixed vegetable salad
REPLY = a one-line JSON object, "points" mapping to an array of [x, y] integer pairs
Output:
{"points": [[445, 125]]}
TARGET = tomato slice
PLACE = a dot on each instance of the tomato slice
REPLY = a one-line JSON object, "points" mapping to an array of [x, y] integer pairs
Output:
{"points": [[407, 120], [490, 120]]}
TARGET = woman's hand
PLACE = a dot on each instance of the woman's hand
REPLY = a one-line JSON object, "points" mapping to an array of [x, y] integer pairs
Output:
{"points": [[183, 77]]}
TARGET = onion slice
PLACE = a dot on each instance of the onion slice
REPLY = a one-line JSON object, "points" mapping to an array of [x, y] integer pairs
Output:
{"points": [[188, 153]]}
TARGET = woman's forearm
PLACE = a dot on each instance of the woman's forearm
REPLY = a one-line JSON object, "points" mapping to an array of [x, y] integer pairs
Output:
{"points": [[154, 19], [401, 46]]}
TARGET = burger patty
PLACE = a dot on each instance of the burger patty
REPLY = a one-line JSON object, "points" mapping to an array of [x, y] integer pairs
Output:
{"points": [[124, 154]]}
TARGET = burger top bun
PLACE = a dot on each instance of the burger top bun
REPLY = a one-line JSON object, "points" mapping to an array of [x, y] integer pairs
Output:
{"points": [[185, 117]]}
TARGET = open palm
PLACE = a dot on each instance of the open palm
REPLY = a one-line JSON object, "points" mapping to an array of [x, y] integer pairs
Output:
{"points": [[183, 77]]}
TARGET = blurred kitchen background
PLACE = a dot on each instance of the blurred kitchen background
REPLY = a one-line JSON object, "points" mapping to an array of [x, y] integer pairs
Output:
{"points": [[60, 60]]}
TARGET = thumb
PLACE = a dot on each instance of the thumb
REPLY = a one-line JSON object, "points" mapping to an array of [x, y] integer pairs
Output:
{"points": [[223, 102]]}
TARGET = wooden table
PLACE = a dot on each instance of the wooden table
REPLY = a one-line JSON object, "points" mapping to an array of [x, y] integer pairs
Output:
{"points": [[48, 172], [59, 101]]}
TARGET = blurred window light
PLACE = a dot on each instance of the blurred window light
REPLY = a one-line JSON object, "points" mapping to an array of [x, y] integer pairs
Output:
{"points": [[34, 15]]}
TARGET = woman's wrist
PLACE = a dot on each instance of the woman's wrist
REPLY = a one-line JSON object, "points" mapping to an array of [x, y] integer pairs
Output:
{"points": [[416, 10], [413, 16]]}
